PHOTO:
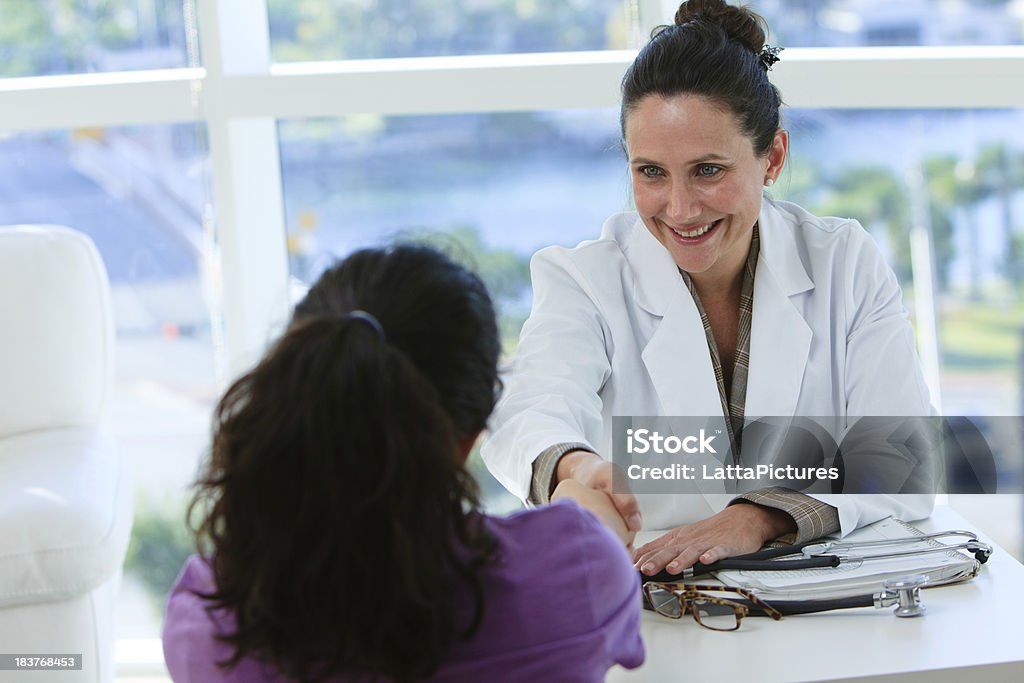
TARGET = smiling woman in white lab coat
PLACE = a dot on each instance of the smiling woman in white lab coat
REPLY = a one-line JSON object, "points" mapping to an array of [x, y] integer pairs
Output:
{"points": [[709, 300]]}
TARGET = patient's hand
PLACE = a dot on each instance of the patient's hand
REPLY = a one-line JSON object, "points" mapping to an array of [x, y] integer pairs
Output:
{"points": [[598, 502]]}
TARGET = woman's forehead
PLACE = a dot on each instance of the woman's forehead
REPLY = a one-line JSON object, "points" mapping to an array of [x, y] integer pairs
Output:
{"points": [[688, 124]]}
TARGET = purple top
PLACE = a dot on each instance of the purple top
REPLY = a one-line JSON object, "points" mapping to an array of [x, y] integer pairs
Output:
{"points": [[562, 604]]}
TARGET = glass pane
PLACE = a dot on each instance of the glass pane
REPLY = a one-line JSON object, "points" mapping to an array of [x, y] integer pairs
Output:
{"points": [[138, 194], [305, 30], [47, 37], [959, 177], [504, 185], [845, 23], [508, 184]]}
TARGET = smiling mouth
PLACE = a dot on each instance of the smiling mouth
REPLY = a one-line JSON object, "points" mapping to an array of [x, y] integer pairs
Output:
{"points": [[699, 232]]}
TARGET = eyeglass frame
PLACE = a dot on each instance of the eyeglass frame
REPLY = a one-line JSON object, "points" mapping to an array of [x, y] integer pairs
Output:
{"points": [[686, 592]]}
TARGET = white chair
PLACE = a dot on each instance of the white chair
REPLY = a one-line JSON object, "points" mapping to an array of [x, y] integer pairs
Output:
{"points": [[65, 497]]}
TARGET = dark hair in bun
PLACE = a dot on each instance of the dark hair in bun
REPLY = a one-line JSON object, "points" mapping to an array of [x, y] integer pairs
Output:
{"points": [[739, 23], [717, 51]]}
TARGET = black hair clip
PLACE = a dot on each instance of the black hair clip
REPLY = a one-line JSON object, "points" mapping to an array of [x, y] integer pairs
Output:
{"points": [[769, 55]]}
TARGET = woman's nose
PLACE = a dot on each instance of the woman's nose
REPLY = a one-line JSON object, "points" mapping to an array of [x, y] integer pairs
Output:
{"points": [[682, 205]]}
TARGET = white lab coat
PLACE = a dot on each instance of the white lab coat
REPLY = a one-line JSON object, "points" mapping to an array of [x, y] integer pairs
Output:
{"points": [[615, 332]]}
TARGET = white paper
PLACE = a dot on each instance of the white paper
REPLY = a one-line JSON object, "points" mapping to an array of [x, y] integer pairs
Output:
{"points": [[866, 577]]}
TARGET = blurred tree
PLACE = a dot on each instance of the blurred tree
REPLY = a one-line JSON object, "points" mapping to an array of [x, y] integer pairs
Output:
{"points": [[44, 37], [953, 188], [799, 183], [1000, 174], [24, 39], [876, 197], [115, 24], [159, 546], [303, 30], [506, 273]]}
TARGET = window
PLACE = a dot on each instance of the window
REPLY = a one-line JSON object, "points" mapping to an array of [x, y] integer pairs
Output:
{"points": [[848, 23], [501, 185], [138, 194], [958, 177], [297, 162], [311, 30], [519, 181], [39, 38]]}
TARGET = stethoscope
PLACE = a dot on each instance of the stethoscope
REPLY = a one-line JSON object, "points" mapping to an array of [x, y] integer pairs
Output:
{"points": [[816, 554], [904, 592]]}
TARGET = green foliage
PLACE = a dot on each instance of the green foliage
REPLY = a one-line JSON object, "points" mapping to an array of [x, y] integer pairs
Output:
{"points": [[800, 183], [1000, 173], [116, 26], [983, 336], [159, 546], [953, 187], [875, 196], [42, 37], [307, 30], [505, 272], [25, 43]]}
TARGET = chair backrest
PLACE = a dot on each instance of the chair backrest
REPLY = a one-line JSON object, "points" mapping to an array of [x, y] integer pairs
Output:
{"points": [[56, 330]]}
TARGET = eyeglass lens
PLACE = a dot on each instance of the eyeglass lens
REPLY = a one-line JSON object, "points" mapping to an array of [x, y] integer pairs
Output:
{"points": [[707, 613], [715, 616], [664, 602]]}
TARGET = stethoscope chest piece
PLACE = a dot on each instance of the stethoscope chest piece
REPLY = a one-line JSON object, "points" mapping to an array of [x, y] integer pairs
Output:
{"points": [[905, 593]]}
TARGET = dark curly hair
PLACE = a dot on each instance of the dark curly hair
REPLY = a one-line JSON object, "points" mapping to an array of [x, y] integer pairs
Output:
{"points": [[714, 50], [336, 508]]}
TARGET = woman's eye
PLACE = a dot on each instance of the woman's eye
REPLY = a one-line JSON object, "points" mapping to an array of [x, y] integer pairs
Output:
{"points": [[708, 171], [650, 171]]}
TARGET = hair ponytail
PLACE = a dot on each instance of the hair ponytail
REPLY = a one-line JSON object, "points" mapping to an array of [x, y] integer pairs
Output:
{"points": [[335, 499]]}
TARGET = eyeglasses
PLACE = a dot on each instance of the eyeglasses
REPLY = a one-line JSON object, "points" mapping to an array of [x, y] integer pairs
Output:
{"points": [[712, 607]]}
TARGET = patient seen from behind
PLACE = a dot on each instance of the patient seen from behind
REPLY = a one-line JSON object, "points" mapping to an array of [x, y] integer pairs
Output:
{"points": [[340, 532]]}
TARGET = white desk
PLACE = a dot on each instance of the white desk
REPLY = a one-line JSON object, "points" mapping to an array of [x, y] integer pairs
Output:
{"points": [[972, 632]]}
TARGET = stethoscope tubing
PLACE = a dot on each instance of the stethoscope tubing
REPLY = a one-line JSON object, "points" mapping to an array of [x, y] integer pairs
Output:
{"points": [[792, 607], [829, 547]]}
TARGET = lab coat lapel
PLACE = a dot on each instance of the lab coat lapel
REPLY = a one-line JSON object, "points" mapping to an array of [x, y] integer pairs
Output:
{"points": [[676, 355], [678, 363], [780, 338]]}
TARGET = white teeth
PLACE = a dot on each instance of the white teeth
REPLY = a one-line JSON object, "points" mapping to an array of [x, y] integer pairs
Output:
{"points": [[694, 233]]}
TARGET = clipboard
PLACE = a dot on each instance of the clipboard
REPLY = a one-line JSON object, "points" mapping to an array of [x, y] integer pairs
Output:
{"points": [[848, 580]]}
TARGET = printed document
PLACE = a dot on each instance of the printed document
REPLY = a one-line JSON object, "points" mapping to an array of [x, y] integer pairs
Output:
{"points": [[863, 577]]}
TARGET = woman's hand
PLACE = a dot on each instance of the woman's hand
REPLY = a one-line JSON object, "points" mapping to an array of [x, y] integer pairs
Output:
{"points": [[738, 529], [594, 472], [600, 504]]}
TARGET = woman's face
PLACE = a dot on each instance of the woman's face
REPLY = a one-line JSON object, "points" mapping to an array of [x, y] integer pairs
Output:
{"points": [[697, 181]]}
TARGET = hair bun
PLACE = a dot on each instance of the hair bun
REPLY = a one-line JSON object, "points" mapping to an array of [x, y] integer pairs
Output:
{"points": [[739, 23]]}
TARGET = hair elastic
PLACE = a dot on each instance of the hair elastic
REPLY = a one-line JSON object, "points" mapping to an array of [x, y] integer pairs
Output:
{"points": [[369, 320], [769, 55]]}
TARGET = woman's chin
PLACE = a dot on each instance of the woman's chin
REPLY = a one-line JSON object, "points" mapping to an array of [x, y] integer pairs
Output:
{"points": [[692, 260]]}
